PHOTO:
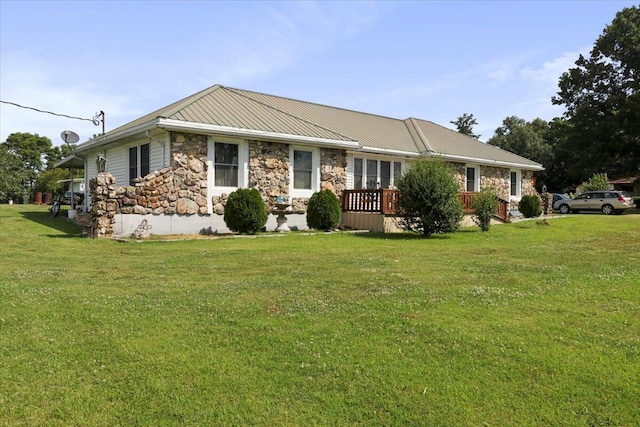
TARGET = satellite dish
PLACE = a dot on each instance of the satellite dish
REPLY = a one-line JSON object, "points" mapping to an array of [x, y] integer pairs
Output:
{"points": [[69, 137]]}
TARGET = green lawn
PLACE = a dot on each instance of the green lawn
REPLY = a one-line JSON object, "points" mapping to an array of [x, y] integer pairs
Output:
{"points": [[527, 324]]}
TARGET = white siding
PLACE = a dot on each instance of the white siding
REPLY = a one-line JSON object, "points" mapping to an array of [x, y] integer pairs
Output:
{"points": [[117, 164]]}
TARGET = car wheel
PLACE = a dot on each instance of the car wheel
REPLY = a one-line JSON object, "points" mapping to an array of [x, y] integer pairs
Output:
{"points": [[607, 209], [564, 209]]}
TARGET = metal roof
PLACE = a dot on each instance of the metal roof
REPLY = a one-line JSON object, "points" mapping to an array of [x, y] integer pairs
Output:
{"points": [[441, 140], [253, 111]]}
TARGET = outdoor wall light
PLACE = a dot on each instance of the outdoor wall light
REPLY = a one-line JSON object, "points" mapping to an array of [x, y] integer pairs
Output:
{"points": [[101, 163]]}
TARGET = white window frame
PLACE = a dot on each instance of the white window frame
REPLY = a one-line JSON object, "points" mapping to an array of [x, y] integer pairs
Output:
{"points": [[518, 194], [378, 161], [315, 175], [476, 184], [243, 167]]}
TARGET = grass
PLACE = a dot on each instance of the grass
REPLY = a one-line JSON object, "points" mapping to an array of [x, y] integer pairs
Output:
{"points": [[527, 324]]}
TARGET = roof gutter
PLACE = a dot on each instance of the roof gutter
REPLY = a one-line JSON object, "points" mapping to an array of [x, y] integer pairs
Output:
{"points": [[500, 163], [178, 125]]}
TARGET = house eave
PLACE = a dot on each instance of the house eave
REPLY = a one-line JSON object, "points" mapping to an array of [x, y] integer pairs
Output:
{"points": [[488, 162], [390, 152], [127, 133], [181, 126], [71, 162]]}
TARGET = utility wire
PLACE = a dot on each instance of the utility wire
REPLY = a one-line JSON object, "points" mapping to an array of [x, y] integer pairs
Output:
{"points": [[94, 120]]}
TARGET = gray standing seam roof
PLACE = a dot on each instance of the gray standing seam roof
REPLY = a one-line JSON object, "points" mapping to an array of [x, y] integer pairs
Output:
{"points": [[247, 110]]}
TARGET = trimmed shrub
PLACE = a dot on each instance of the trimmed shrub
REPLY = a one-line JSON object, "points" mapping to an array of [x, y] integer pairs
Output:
{"points": [[529, 206], [484, 204], [428, 202], [323, 212], [245, 211]]}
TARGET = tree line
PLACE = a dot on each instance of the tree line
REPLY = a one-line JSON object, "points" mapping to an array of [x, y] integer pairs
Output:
{"points": [[599, 133]]}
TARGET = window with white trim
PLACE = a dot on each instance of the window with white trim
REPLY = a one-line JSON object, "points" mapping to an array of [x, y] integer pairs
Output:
{"points": [[373, 173], [227, 165], [515, 184], [358, 174], [472, 178], [304, 170], [139, 161]]}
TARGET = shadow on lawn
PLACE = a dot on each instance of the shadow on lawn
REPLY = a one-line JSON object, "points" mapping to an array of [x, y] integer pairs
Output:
{"points": [[60, 223], [404, 236]]}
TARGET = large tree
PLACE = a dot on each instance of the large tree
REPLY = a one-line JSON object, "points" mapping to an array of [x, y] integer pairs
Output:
{"points": [[29, 155], [602, 99], [13, 175], [535, 140], [526, 139], [465, 123]]}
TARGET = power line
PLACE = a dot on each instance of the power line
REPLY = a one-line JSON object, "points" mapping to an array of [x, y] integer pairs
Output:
{"points": [[95, 120]]}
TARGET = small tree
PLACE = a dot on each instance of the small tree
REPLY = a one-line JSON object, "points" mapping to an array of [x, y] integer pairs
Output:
{"points": [[428, 201], [529, 206], [245, 211], [598, 181], [484, 204], [323, 212], [465, 123], [49, 181]]}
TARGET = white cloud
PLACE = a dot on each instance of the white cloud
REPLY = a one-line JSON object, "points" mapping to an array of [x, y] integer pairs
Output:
{"points": [[553, 69]]}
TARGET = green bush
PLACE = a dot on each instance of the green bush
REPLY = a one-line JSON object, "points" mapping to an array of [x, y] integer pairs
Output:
{"points": [[636, 200], [484, 204], [323, 212], [530, 206], [428, 201], [245, 211]]}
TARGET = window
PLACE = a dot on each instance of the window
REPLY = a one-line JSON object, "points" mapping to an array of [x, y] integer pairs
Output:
{"points": [[374, 174], [514, 178], [357, 174], [226, 165], [385, 174], [139, 162], [397, 170], [302, 170], [472, 179]]}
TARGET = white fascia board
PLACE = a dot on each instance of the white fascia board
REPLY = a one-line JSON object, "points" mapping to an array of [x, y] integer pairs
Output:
{"points": [[100, 141], [389, 152], [489, 162], [178, 125]]}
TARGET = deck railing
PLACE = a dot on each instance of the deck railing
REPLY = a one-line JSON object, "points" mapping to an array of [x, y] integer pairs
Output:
{"points": [[384, 202]]}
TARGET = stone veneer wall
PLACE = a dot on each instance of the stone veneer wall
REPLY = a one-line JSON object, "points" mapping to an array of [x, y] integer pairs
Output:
{"points": [[179, 189], [333, 170], [182, 188], [269, 170], [497, 178]]}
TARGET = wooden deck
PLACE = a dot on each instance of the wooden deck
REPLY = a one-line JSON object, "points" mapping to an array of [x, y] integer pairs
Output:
{"points": [[384, 202]]}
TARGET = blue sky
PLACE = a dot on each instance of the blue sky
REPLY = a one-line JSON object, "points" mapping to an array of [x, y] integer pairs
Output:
{"points": [[431, 60]]}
